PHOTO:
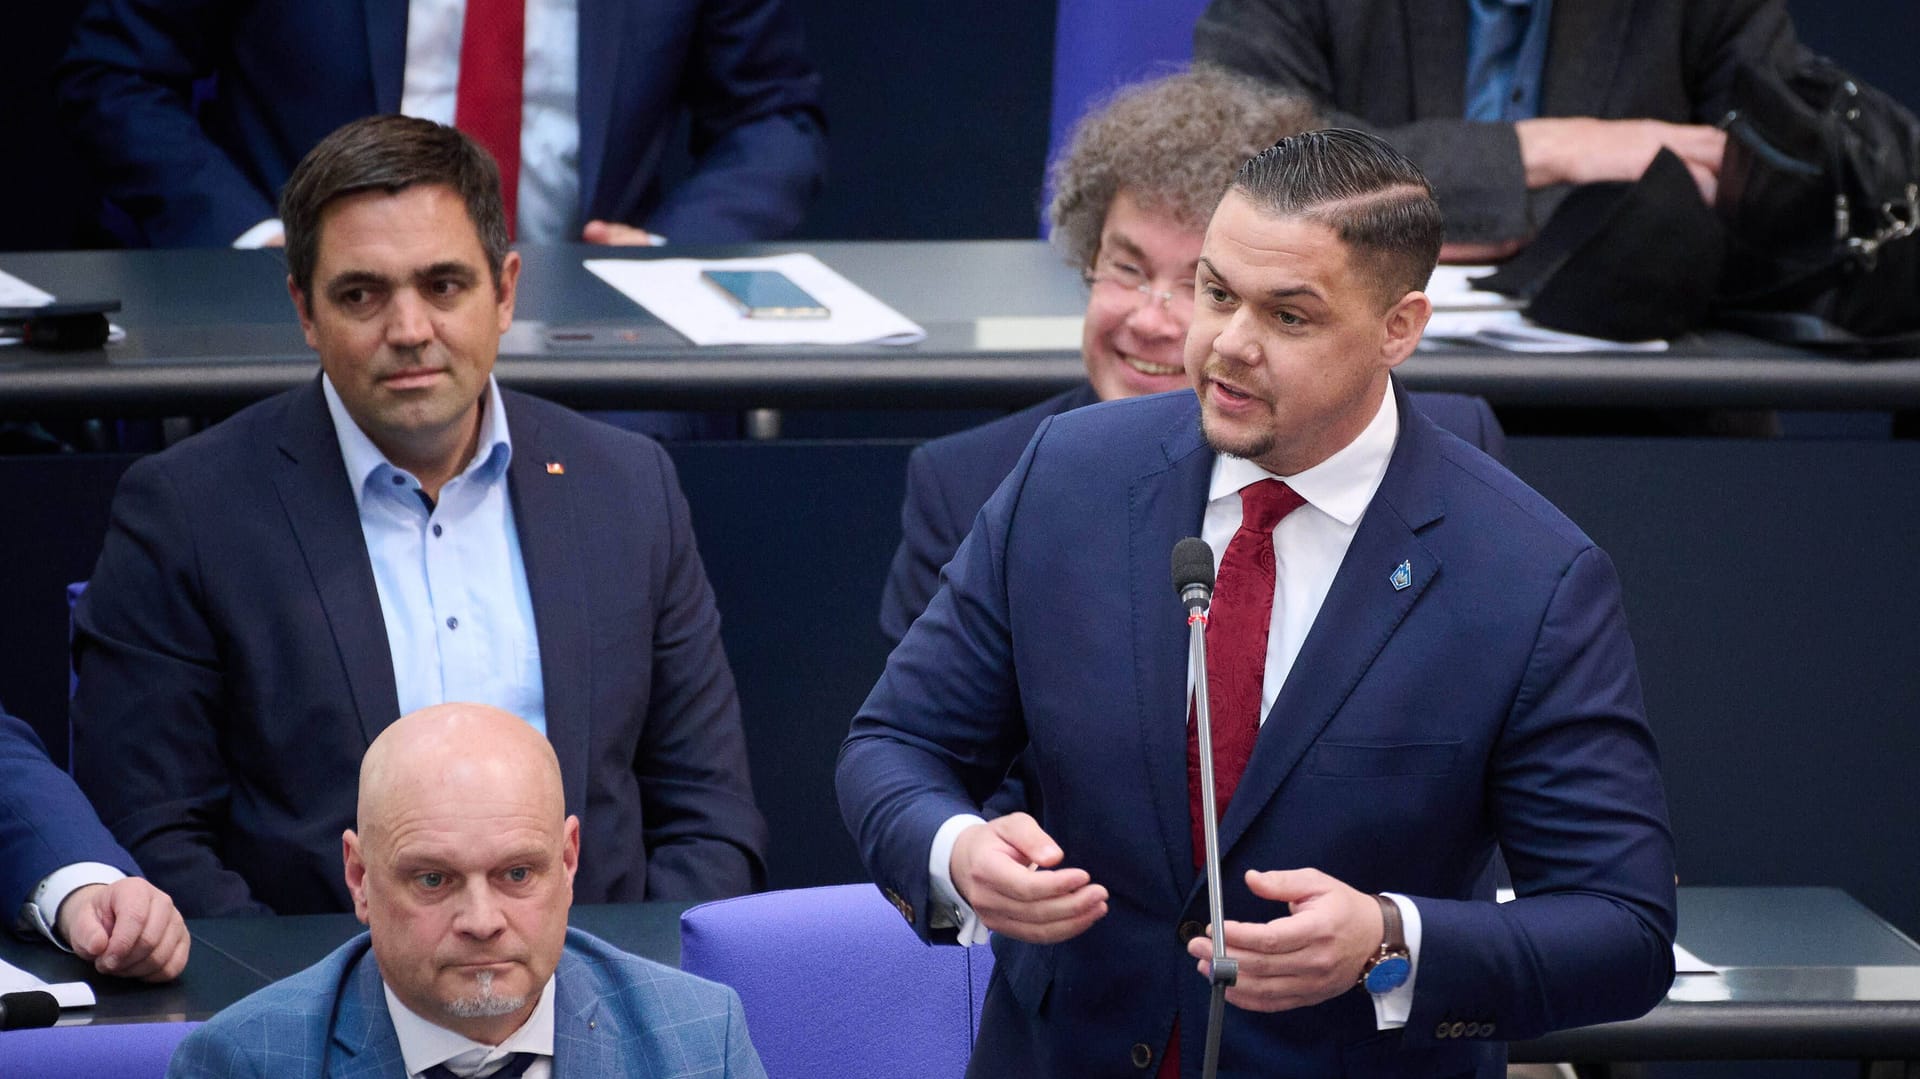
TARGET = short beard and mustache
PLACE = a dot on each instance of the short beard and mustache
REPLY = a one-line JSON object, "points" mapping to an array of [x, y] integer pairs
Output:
{"points": [[1253, 448], [484, 1004]]}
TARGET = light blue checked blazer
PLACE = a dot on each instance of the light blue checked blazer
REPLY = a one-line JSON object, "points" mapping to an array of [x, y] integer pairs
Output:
{"points": [[615, 1014]]}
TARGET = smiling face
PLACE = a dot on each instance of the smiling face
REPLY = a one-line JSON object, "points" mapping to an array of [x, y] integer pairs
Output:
{"points": [[1291, 339], [407, 321], [463, 868], [1130, 341]]}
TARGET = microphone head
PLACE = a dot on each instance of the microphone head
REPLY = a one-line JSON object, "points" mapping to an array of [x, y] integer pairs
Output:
{"points": [[1193, 571], [28, 1008]]}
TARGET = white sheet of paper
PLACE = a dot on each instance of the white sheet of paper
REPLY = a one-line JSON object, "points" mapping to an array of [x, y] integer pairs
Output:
{"points": [[672, 290], [1513, 332], [1451, 289], [17, 293], [1685, 962], [69, 994]]}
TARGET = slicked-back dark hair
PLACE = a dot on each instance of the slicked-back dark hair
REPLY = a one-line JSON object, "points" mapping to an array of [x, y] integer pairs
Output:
{"points": [[390, 154], [1372, 197]]}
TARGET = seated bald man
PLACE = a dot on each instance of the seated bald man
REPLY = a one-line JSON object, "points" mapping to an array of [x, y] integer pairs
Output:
{"points": [[462, 868], [1131, 199]]}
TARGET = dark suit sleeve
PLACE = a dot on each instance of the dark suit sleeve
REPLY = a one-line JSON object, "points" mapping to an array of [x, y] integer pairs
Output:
{"points": [[929, 534], [942, 725], [1475, 167], [1577, 803], [705, 838], [146, 714], [126, 91], [45, 822], [758, 138]]}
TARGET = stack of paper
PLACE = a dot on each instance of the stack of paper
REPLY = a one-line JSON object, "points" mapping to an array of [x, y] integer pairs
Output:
{"points": [[674, 292], [69, 994], [1471, 316], [17, 293]]}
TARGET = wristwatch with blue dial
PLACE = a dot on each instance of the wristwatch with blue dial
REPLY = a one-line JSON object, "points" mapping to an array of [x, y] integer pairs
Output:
{"points": [[1388, 969]]}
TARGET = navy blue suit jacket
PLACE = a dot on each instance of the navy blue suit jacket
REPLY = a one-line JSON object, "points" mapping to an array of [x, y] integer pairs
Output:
{"points": [[614, 1014], [1493, 701], [950, 478], [290, 73], [234, 666], [45, 822]]}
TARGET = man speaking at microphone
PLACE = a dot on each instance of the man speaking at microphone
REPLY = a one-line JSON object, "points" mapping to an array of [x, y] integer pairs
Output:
{"points": [[1413, 661]]}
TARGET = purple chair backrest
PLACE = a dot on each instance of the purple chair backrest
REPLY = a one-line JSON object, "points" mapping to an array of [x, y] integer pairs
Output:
{"points": [[1102, 45], [835, 983], [106, 1051]]}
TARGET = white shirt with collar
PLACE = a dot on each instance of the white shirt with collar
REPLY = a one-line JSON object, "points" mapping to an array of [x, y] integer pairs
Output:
{"points": [[1309, 545], [424, 1044]]}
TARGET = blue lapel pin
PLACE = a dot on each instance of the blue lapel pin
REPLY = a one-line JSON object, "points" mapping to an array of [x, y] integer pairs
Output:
{"points": [[1402, 575]]}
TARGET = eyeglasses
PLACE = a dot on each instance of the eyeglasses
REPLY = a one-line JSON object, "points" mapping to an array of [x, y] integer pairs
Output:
{"points": [[1123, 282]]}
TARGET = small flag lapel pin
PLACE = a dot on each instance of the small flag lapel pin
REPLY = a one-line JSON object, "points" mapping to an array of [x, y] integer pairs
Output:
{"points": [[1402, 575], [555, 468]]}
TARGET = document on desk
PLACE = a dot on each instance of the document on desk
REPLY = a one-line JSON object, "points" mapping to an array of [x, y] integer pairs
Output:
{"points": [[1467, 315], [17, 293], [69, 994], [1451, 289], [1511, 331], [673, 291]]}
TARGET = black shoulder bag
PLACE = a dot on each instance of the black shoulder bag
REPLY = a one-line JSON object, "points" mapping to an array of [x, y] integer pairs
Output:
{"points": [[1820, 195]]}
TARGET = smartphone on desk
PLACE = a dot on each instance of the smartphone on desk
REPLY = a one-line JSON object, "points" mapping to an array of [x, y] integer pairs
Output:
{"points": [[765, 294]]}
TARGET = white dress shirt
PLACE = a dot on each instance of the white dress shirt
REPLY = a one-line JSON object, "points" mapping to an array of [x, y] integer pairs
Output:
{"points": [[424, 1044], [549, 189], [1309, 545]]}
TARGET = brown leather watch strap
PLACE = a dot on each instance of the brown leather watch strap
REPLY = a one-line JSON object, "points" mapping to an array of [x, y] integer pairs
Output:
{"points": [[1393, 938]]}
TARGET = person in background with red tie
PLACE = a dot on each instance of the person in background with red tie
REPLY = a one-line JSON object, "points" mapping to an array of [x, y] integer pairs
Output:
{"points": [[577, 100], [1414, 660]]}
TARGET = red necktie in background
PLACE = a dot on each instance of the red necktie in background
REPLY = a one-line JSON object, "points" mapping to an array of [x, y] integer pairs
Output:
{"points": [[492, 55], [1236, 667]]}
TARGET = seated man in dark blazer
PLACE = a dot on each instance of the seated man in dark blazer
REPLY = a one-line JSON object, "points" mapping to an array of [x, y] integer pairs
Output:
{"points": [[1507, 105], [603, 87], [462, 863], [395, 533], [66, 877], [1131, 198]]}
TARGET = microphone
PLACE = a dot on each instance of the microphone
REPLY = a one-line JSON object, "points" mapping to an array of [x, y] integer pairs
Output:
{"points": [[1193, 573], [28, 1008]]}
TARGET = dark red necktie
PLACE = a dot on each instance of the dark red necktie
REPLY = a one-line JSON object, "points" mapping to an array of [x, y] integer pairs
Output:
{"points": [[1236, 666], [492, 55], [1237, 647]]}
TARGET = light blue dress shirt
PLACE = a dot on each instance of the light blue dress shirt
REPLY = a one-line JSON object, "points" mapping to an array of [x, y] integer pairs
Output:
{"points": [[1506, 58], [452, 583]]}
